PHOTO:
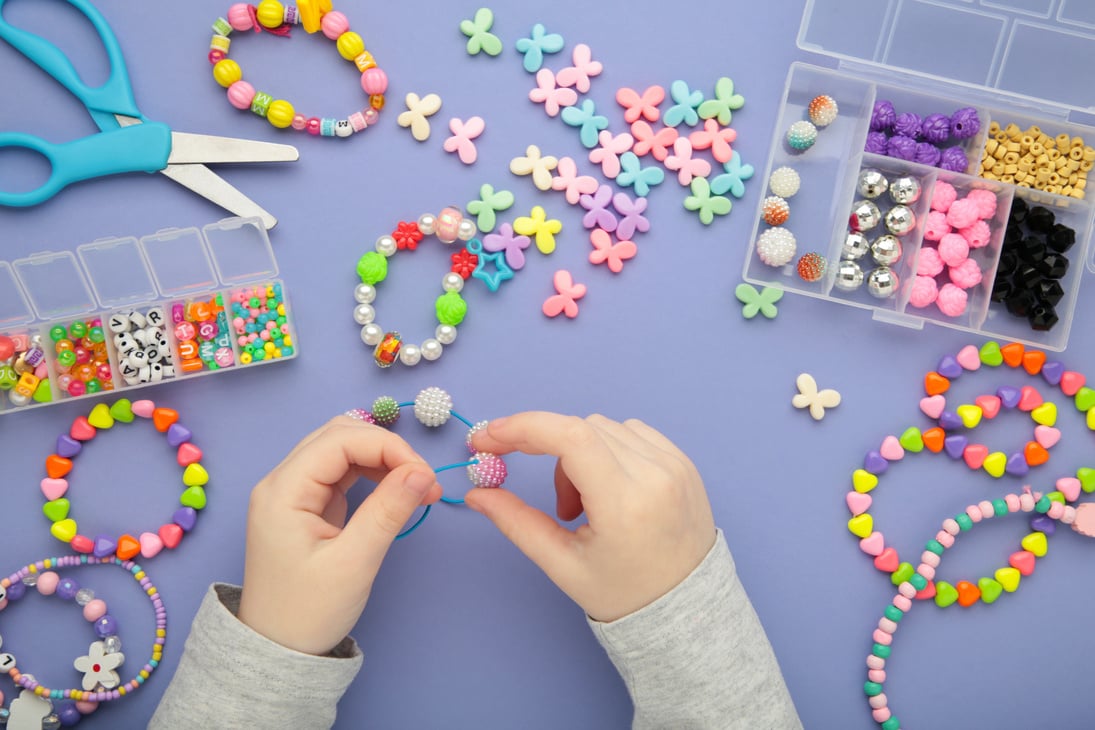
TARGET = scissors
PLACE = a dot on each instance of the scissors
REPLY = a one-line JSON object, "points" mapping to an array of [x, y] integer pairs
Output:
{"points": [[127, 140]]}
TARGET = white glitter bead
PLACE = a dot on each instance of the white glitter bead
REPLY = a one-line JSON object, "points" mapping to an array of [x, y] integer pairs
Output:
{"points": [[386, 245], [372, 334], [466, 230], [364, 313], [445, 334], [784, 182], [452, 282], [427, 223], [364, 293], [410, 354], [431, 349], [776, 246], [480, 426], [432, 406]]}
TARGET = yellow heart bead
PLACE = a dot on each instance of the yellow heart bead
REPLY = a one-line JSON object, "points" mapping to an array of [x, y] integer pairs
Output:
{"points": [[996, 463], [1091, 419], [100, 416], [862, 525], [1045, 414], [863, 481], [64, 530], [1008, 578], [970, 415], [1035, 542], [195, 476]]}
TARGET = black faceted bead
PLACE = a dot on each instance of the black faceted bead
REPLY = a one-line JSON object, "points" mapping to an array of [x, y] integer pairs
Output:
{"points": [[1053, 266], [1013, 235], [1061, 238], [1019, 210], [1021, 302], [1002, 289], [1050, 292], [1027, 277], [1032, 249], [1009, 261], [1042, 316], [1040, 219]]}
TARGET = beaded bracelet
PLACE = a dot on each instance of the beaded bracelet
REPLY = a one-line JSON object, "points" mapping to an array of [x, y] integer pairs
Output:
{"points": [[902, 602], [433, 408], [372, 268], [100, 683], [102, 417], [272, 16]]}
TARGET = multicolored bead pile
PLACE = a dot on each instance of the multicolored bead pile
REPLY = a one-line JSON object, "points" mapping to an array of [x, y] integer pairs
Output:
{"points": [[201, 330], [83, 364], [24, 372], [260, 320]]}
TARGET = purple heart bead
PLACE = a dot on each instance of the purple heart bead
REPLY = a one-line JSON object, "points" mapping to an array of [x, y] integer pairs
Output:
{"points": [[949, 421], [1052, 372], [178, 434], [1017, 464], [186, 518], [1009, 396], [948, 367], [874, 463], [1041, 523], [104, 547], [67, 446], [955, 445]]}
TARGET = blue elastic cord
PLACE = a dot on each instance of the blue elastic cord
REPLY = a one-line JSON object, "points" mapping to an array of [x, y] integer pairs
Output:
{"points": [[414, 527], [463, 420]]}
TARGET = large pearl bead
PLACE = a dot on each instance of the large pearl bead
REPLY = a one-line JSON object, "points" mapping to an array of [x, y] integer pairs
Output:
{"points": [[364, 313], [445, 333], [364, 293], [431, 349], [371, 334], [410, 354], [452, 282], [386, 245], [427, 223], [466, 230]]}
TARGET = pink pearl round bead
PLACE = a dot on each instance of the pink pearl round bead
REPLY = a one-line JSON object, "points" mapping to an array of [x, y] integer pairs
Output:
{"points": [[314, 126], [300, 122], [95, 610], [47, 583]]}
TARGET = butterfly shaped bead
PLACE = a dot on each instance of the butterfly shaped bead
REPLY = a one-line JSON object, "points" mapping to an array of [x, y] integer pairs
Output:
{"points": [[810, 397], [566, 301], [418, 111], [463, 133], [611, 254], [758, 302]]}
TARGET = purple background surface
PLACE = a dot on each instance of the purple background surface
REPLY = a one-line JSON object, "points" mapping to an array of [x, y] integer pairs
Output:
{"points": [[461, 630]]}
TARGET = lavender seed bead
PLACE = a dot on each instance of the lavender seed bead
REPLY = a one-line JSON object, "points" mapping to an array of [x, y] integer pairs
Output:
{"points": [[954, 159], [965, 123], [928, 154], [882, 118], [936, 128], [876, 143], [901, 147], [907, 124]]}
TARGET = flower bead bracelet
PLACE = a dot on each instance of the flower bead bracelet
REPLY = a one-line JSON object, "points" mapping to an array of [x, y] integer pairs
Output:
{"points": [[272, 16], [372, 268], [69, 445]]}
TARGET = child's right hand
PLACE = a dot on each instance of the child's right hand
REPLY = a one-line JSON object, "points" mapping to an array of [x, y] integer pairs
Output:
{"points": [[649, 521]]}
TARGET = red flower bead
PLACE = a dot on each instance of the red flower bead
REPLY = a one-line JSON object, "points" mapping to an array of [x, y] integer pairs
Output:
{"points": [[406, 235], [464, 263]]}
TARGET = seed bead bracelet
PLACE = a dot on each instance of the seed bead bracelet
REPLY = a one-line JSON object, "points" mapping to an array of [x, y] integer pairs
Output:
{"points": [[372, 268], [69, 445], [100, 682], [1081, 518], [433, 408], [272, 16]]}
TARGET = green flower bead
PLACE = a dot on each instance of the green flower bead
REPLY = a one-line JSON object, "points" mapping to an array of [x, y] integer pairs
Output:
{"points": [[372, 268], [451, 308]]}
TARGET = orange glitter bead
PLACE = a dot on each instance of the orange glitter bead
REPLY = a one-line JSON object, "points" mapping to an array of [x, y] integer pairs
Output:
{"points": [[775, 210], [811, 266]]}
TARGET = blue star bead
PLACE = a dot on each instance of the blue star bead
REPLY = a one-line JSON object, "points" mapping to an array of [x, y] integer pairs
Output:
{"points": [[502, 271]]}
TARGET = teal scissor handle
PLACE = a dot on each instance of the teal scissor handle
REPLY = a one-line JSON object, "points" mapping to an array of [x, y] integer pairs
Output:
{"points": [[139, 148], [114, 96]]}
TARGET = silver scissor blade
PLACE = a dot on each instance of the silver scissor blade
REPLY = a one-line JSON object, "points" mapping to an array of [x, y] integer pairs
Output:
{"points": [[214, 188], [209, 149]]}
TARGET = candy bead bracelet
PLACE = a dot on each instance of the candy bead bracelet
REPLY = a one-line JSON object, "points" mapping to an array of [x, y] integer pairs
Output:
{"points": [[272, 16], [100, 682], [69, 445], [433, 408], [372, 268]]}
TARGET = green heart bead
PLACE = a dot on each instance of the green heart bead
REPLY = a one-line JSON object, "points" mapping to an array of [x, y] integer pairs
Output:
{"points": [[903, 573], [945, 594], [912, 440], [193, 497], [991, 355], [1087, 478], [990, 589], [122, 411], [56, 510], [43, 394], [1085, 399]]}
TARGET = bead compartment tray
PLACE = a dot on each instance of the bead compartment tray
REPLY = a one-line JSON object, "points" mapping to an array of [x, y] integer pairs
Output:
{"points": [[121, 275]]}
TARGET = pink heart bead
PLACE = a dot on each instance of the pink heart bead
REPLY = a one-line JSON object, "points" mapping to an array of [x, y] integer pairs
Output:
{"points": [[143, 408], [151, 545], [189, 454], [1070, 487], [975, 455], [54, 488], [858, 503], [933, 406], [969, 358], [1071, 382], [1029, 399], [892, 450], [989, 405], [873, 544], [1046, 436]]}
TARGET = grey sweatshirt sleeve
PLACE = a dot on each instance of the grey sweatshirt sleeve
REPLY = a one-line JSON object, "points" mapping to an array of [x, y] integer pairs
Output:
{"points": [[698, 657], [231, 676]]}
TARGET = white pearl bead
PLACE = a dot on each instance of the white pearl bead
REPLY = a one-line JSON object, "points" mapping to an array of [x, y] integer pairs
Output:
{"points": [[466, 230], [446, 334], [410, 354], [431, 349], [372, 334], [365, 293], [427, 223], [452, 282], [386, 245], [364, 313]]}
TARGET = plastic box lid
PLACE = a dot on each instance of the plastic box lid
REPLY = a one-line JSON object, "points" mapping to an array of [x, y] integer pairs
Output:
{"points": [[1027, 50]]}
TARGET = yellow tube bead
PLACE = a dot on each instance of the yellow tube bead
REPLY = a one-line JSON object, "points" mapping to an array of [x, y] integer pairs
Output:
{"points": [[227, 72], [1063, 140], [998, 169], [1086, 166], [280, 113], [1000, 151], [1053, 189], [990, 146], [1077, 141], [220, 43], [1089, 154], [994, 127], [1007, 178], [1076, 153], [1011, 170], [1014, 146], [350, 45], [1034, 130], [1080, 184], [1001, 137], [1012, 130], [1011, 158], [1037, 149]]}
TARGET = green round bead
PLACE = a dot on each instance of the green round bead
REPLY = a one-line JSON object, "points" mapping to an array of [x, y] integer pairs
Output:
{"points": [[58, 333], [892, 724], [881, 651], [935, 546], [67, 358], [94, 386], [1042, 505], [385, 411], [372, 268], [963, 521], [77, 330], [894, 613], [918, 582], [872, 688], [451, 308], [1000, 507]]}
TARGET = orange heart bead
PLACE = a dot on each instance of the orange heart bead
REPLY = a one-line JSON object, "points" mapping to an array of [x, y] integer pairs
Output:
{"points": [[162, 418], [933, 438], [128, 547], [1035, 454], [936, 384], [968, 593], [1033, 360], [1013, 356], [57, 466]]}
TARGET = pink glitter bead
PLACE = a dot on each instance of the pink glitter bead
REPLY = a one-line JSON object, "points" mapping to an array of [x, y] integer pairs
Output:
{"points": [[924, 292], [240, 95], [239, 17], [94, 610], [986, 202], [966, 275], [930, 263], [944, 196], [953, 249], [952, 302], [877, 675], [374, 81], [936, 226], [334, 24], [489, 473], [977, 235], [962, 214]]}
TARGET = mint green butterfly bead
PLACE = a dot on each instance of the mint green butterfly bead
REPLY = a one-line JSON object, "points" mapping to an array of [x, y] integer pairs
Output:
{"points": [[489, 204], [478, 32], [703, 202], [725, 103], [758, 302]]}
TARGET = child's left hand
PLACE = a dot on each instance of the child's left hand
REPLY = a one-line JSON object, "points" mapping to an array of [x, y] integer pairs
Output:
{"points": [[309, 571]]}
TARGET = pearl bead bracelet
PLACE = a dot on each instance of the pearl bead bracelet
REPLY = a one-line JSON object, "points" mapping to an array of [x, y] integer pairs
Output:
{"points": [[372, 268]]}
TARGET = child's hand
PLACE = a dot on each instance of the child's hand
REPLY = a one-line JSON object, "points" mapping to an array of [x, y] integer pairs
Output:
{"points": [[650, 523], [309, 571]]}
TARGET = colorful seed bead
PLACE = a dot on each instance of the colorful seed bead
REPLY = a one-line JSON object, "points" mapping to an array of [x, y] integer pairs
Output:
{"points": [[260, 323]]}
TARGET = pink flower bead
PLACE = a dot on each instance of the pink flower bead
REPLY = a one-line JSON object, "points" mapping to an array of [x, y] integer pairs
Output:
{"points": [[881, 637], [936, 226], [986, 202], [875, 662], [962, 213], [239, 17], [929, 558], [943, 196], [924, 292], [47, 583], [903, 603], [879, 701], [334, 24], [953, 249], [952, 301], [929, 263], [966, 275], [877, 675], [240, 95], [977, 235], [374, 81], [95, 610]]}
